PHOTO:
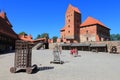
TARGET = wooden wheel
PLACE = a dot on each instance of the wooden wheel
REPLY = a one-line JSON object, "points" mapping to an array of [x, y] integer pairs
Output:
{"points": [[51, 62], [29, 70], [61, 62], [113, 49], [35, 66], [12, 69]]}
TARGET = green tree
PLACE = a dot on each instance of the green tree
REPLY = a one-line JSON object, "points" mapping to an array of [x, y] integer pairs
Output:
{"points": [[38, 36], [115, 37], [112, 37], [54, 39], [45, 35], [118, 36], [23, 33]]}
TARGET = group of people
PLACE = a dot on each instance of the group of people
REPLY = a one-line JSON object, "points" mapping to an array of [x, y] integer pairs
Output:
{"points": [[74, 52]]}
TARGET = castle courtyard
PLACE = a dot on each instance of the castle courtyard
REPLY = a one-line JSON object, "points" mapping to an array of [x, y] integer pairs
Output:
{"points": [[88, 66]]}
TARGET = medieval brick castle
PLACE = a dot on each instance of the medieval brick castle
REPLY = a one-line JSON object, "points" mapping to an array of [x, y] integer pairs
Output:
{"points": [[76, 31]]}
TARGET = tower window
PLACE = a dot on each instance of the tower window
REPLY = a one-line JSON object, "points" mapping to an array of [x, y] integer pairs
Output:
{"points": [[86, 31], [87, 38], [68, 25], [77, 32], [68, 20]]}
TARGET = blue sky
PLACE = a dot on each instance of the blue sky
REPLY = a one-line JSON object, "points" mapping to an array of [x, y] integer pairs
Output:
{"points": [[48, 16]]}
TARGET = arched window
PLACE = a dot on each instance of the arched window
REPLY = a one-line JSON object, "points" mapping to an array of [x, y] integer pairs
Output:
{"points": [[68, 20]]}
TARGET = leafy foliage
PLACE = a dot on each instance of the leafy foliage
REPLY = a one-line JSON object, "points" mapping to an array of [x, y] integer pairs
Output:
{"points": [[23, 33], [54, 39], [115, 37], [43, 35], [38, 36]]}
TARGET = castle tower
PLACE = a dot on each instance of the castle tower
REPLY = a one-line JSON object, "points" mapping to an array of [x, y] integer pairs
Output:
{"points": [[70, 32]]}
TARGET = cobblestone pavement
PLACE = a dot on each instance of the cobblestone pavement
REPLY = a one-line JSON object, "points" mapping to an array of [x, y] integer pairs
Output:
{"points": [[88, 66]]}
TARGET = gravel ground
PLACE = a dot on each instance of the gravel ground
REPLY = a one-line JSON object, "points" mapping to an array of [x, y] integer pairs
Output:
{"points": [[88, 66]]}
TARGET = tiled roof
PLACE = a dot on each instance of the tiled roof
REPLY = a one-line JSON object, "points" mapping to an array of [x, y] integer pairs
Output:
{"points": [[8, 32], [25, 38], [62, 29], [29, 38], [91, 21], [3, 16], [40, 39], [74, 8], [98, 45], [6, 29]]}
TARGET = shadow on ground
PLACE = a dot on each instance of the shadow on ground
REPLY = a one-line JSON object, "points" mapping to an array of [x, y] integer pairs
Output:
{"points": [[6, 52], [43, 68]]}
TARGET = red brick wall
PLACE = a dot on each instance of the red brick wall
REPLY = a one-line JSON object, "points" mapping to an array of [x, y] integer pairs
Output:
{"points": [[94, 33], [88, 33], [103, 33]]}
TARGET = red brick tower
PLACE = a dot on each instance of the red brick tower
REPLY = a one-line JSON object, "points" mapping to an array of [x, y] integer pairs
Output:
{"points": [[70, 32]]}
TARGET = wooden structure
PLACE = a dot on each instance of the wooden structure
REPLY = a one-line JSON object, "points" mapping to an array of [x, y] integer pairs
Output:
{"points": [[23, 57], [98, 47], [7, 34], [56, 55], [65, 46], [81, 46], [86, 47], [113, 49]]}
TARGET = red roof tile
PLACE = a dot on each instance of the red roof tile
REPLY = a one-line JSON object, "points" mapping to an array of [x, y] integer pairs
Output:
{"points": [[6, 29], [40, 39], [73, 8], [25, 38], [3, 15], [62, 29], [91, 21]]}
